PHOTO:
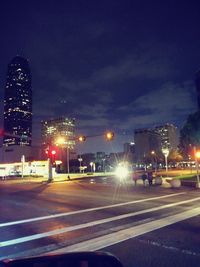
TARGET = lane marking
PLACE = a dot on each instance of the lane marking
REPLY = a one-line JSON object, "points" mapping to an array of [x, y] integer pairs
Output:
{"points": [[123, 235], [90, 224], [86, 210]]}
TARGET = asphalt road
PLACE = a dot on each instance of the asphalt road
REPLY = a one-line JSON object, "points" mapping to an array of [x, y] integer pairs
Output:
{"points": [[142, 226]]}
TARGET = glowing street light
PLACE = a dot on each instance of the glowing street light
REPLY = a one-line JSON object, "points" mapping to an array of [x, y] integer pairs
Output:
{"points": [[109, 136], [165, 152], [82, 138], [61, 141], [197, 154]]}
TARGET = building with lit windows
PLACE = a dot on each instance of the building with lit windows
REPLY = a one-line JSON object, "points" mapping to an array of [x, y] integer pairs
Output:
{"points": [[146, 141], [18, 103], [17, 111], [129, 147], [169, 136], [60, 134]]}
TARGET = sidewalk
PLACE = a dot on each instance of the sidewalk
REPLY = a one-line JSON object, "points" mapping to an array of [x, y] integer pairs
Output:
{"points": [[56, 178], [77, 176]]}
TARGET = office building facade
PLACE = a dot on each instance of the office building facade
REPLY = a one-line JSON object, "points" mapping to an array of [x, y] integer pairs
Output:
{"points": [[18, 104], [60, 133], [17, 112], [169, 136], [146, 141]]}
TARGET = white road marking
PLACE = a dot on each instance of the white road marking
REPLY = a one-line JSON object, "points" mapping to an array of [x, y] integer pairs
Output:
{"points": [[90, 224], [123, 235], [86, 210]]}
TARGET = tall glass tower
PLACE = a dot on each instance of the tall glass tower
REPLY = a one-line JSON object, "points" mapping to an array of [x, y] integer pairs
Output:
{"points": [[18, 103]]}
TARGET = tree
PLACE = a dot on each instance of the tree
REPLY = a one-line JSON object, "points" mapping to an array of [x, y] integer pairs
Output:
{"points": [[175, 156], [190, 133]]}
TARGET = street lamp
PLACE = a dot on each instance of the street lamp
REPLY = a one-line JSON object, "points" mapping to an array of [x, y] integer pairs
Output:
{"points": [[80, 160], [23, 161], [91, 165], [153, 153], [61, 141], [165, 152], [104, 169], [197, 156]]}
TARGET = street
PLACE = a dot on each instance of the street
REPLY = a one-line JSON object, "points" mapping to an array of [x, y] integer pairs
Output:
{"points": [[142, 226]]}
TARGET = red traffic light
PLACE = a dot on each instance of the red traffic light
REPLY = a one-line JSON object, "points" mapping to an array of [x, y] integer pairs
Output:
{"points": [[1, 132], [50, 152], [53, 152]]}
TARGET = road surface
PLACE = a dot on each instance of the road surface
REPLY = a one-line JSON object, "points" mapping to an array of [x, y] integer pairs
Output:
{"points": [[142, 226]]}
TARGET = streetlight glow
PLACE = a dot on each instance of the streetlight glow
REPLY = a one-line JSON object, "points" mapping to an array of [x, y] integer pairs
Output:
{"points": [[81, 138], [60, 140], [109, 136], [197, 155]]}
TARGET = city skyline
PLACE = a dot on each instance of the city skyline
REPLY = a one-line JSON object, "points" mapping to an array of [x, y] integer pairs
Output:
{"points": [[117, 66]]}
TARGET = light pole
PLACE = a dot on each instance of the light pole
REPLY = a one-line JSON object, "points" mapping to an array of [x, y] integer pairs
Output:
{"points": [[165, 152], [80, 161], [91, 165], [197, 156], [62, 142], [67, 159], [104, 169], [23, 161], [153, 153]]}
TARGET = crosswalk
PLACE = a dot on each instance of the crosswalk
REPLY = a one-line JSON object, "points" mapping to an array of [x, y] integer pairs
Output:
{"points": [[95, 228]]}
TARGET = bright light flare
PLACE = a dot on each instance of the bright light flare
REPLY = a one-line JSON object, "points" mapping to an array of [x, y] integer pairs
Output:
{"points": [[198, 155], [121, 172], [60, 141]]}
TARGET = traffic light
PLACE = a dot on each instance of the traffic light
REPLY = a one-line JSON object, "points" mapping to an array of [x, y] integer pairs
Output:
{"points": [[50, 152], [81, 138], [109, 136], [53, 152]]}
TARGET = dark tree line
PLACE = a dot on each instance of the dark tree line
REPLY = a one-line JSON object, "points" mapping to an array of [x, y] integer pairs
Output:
{"points": [[190, 134]]}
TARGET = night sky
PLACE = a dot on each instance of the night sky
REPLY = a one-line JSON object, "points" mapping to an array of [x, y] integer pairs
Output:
{"points": [[112, 64]]}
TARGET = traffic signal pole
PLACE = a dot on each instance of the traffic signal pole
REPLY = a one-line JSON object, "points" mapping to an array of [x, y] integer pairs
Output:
{"points": [[50, 174]]}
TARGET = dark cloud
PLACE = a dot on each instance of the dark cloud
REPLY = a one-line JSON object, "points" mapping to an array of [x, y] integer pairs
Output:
{"points": [[109, 64]]}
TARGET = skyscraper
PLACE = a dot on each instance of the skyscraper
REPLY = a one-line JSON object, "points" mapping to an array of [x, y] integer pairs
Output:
{"points": [[197, 81], [18, 104]]}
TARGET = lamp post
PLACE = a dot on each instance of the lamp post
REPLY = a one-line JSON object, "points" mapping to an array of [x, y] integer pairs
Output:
{"points": [[91, 165], [23, 161], [80, 161], [165, 152], [62, 142], [197, 156], [153, 153], [104, 169]]}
